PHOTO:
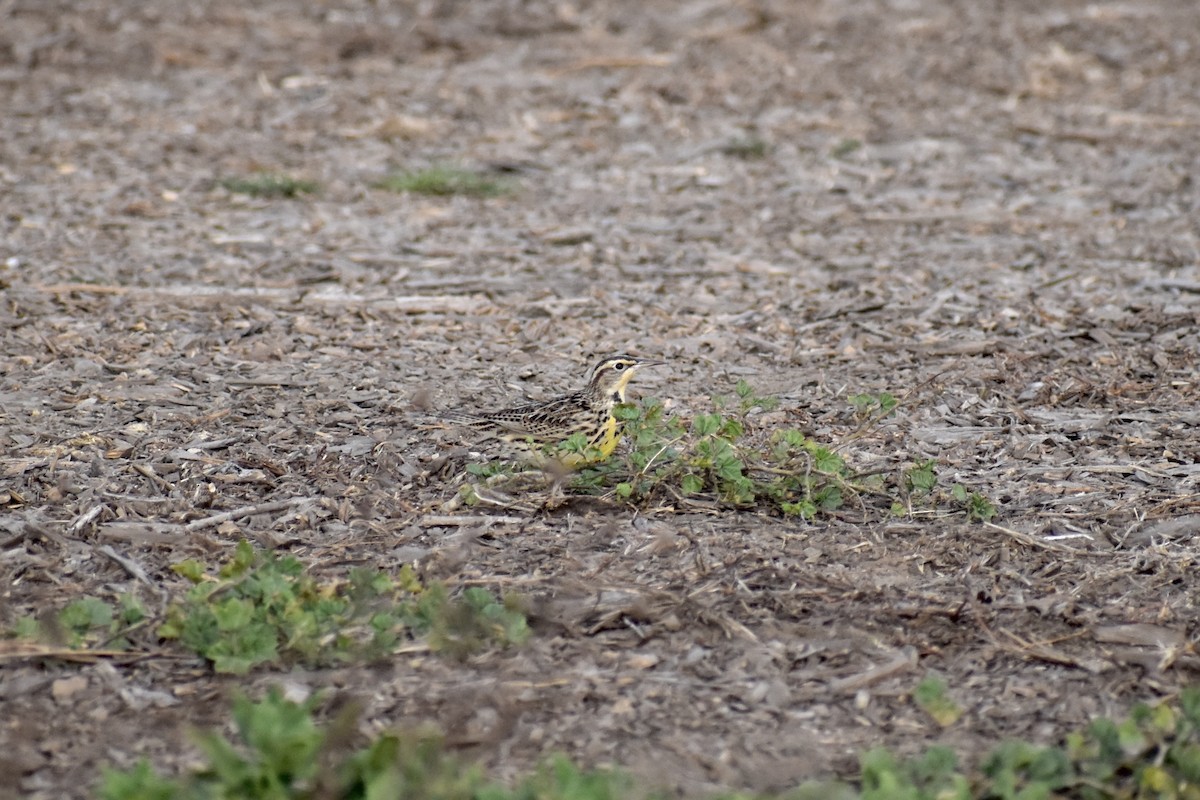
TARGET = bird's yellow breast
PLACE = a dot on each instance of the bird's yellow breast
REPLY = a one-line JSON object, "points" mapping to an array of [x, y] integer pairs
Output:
{"points": [[603, 445], [609, 438]]}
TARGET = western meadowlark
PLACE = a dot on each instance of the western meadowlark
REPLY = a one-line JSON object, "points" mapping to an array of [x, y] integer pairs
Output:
{"points": [[535, 426]]}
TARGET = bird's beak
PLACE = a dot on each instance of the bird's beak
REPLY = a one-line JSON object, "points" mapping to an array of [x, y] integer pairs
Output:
{"points": [[649, 362]]}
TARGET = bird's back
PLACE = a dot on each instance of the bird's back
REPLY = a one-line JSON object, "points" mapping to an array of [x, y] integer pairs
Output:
{"points": [[548, 422]]}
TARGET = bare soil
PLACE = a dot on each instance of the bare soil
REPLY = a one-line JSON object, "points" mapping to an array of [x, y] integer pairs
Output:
{"points": [[987, 209]]}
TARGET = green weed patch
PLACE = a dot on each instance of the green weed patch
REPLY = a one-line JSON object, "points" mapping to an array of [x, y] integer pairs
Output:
{"points": [[445, 181], [281, 752], [262, 609], [725, 458], [269, 184]]}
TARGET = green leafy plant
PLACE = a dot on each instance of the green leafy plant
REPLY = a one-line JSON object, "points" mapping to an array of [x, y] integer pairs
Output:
{"points": [[934, 699], [26, 627], [489, 469], [921, 483], [874, 405], [921, 478], [720, 457], [933, 775], [281, 752], [474, 621], [746, 147], [87, 622], [445, 181], [140, 782], [845, 147], [279, 744], [748, 398], [85, 619], [269, 184], [1017, 770], [262, 609], [978, 507], [724, 457]]}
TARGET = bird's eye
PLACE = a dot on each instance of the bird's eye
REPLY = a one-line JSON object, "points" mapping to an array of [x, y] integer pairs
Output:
{"points": [[619, 366]]}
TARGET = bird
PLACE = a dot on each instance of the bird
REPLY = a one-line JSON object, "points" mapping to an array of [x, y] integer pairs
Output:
{"points": [[535, 428]]}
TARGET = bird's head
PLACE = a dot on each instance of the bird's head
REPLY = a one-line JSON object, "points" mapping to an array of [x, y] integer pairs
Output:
{"points": [[611, 375]]}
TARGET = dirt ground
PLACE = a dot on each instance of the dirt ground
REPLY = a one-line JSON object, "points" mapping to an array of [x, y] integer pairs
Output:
{"points": [[987, 209]]}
